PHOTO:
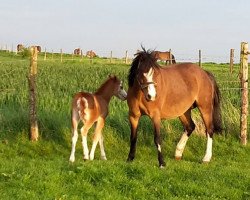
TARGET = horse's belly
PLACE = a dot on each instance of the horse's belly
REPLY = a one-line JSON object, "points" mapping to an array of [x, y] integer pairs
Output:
{"points": [[176, 109]]}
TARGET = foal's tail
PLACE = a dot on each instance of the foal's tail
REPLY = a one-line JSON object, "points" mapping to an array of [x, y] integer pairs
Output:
{"points": [[217, 120]]}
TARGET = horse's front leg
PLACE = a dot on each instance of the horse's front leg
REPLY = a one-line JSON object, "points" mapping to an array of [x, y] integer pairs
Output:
{"points": [[133, 137], [157, 140]]}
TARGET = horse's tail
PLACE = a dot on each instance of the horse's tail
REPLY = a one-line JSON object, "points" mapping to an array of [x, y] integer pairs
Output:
{"points": [[217, 119]]}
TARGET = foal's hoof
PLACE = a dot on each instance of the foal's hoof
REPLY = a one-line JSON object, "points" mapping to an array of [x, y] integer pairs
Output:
{"points": [[177, 157], [103, 158]]}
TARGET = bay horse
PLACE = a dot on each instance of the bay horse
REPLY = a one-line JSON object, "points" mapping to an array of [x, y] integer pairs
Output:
{"points": [[92, 108], [165, 93], [164, 56]]}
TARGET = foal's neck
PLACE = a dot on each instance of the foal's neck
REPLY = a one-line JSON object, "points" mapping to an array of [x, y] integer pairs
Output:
{"points": [[105, 92]]}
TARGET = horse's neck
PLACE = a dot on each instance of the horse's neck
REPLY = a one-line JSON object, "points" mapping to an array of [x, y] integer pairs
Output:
{"points": [[105, 93]]}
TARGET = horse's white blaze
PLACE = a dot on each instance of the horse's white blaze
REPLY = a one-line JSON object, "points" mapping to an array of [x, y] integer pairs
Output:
{"points": [[181, 145], [208, 154], [151, 87]]}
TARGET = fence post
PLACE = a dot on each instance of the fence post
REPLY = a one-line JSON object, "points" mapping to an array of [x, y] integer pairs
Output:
{"points": [[244, 95], [126, 58], [45, 54], [170, 57], [111, 56], [61, 55], [231, 60], [32, 94], [81, 56], [200, 64]]}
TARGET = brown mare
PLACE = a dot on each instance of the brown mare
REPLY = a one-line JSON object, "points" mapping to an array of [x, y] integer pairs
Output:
{"points": [[165, 93], [93, 108], [164, 56], [77, 51], [91, 54]]}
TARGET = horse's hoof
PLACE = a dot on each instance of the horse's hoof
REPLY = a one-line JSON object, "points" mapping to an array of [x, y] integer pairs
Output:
{"points": [[103, 158], [162, 166], [205, 162], [177, 157]]}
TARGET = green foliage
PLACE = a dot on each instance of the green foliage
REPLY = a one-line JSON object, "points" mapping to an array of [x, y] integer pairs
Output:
{"points": [[41, 170]]}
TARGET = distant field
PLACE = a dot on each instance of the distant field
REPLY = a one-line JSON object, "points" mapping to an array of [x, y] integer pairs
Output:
{"points": [[41, 170]]}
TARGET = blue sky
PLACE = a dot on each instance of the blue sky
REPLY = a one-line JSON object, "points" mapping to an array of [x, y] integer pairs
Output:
{"points": [[185, 26]]}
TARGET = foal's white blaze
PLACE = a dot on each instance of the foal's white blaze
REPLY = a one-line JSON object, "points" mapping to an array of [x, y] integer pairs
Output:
{"points": [[181, 145], [151, 87], [122, 94], [208, 154]]}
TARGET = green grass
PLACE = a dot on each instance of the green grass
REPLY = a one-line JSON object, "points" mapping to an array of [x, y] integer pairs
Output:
{"points": [[40, 170]]}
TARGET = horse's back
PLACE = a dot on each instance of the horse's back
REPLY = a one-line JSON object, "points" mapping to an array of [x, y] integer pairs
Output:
{"points": [[182, 85]]}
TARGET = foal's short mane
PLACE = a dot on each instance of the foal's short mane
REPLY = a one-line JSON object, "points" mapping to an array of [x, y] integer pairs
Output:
{"points": [[143, 61]]}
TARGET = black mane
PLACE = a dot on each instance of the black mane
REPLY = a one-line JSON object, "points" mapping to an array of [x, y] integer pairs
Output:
{"points": [[146, 59]]}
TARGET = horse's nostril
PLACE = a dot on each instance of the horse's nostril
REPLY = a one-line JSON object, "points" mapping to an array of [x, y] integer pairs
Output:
{"points": [[149, 96]]}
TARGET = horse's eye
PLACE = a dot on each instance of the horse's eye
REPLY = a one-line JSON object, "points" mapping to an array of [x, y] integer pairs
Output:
{"points": [[121, 87]]}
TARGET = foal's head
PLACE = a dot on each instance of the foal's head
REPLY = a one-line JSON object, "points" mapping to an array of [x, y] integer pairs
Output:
{"points": [[143, 72], [118, 88]]}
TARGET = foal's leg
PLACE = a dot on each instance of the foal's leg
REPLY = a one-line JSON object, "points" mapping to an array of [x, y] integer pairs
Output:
{"points": [[157, 140], [103, 155], [189, 127], [84, 133], [74, 120], [97, 135]]}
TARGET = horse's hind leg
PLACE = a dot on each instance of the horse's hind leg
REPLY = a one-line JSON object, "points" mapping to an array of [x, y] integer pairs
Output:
{"points": [[97, 136], [207, 116], [103, 155], [189, 127], [84, 133], [74, 120]]}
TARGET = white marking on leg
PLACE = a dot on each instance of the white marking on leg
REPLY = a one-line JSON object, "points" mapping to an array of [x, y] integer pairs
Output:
{"points": [[181, 145], [92, 152], [74, 140], [85, 146], [103, 155], [159, 147], [208, 154]]}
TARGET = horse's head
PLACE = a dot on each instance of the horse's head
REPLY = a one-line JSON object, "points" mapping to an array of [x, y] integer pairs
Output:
{"points": [[119, 91], [147, 84]]}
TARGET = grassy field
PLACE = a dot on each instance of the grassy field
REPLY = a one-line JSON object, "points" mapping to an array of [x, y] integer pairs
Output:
{"points": [[41, 170]]}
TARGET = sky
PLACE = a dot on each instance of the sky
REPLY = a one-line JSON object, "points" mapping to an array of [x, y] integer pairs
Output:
{"points": [[184, 26]]}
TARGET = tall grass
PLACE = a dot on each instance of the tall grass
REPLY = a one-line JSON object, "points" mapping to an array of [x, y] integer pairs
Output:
{"points": [[41, 170]]}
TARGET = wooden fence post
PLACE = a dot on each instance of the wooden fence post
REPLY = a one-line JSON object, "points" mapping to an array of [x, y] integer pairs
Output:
{"points": [[32, 94], [61, 55], [244, 95], [111, 56], [81, 56], [231, 60], [200, 64], [126, 58], [170, 57], [45, 54]]}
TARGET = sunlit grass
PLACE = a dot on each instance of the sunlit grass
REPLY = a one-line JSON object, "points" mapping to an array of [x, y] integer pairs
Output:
{"points": [[41, 170]]}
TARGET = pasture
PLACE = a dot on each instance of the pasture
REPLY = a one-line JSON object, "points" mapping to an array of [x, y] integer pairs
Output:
{"points": [[41, 170]]}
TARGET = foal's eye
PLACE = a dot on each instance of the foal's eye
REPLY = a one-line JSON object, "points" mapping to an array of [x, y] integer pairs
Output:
{"points": [[121, 87]]}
